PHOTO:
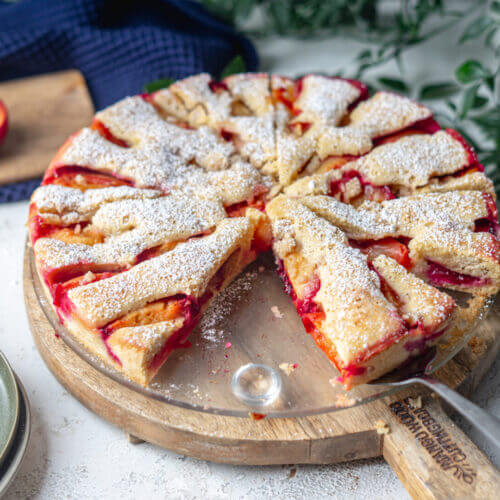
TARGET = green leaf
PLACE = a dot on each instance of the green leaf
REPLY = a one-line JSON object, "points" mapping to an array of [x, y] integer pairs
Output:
{"points": [[476, 28], [363, 55], [489, 120], [489, 40], [155, 85], [488, 157], [471, 71], [468, 98], [394, 84], [236, 65], [479, 101], [451, 105], [438, 90], [490, 82], [495, 7]]}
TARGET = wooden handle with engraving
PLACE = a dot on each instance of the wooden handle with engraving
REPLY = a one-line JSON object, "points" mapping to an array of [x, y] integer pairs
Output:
{"points": [[433, 457]]}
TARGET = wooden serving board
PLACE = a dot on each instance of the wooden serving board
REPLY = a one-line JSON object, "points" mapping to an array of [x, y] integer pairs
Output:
{"points": [[432, 457], [43, 112]]}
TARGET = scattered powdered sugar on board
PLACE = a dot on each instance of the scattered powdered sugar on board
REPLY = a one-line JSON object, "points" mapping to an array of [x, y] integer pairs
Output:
{"points": [[211, 331]]}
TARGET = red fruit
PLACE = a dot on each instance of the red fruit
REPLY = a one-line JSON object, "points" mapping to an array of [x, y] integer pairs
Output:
{"points": [[4, 121], [387, 246]]}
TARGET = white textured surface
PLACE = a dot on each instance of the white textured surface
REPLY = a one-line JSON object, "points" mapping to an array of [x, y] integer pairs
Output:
{"points": [[74, 454]]}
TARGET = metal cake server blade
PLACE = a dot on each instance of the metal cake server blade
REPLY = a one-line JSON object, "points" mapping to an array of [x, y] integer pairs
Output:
{"points": [[416, 372]]}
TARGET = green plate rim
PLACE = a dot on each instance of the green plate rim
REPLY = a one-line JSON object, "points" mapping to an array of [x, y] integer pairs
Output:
{"points": [[10, 380], [18, 452]]}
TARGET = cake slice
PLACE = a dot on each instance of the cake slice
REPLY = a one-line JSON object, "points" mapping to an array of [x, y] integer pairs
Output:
{"points": [[448, 239], [367, 316], [410, 164], [134, 318]]}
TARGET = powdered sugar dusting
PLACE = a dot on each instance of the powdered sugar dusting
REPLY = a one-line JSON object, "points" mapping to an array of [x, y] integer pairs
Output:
{"points": [[210, 326], [387, 112], [132, 226], [186, 172], [185, 269], [325, 100], [73, 205], [412, 161]]}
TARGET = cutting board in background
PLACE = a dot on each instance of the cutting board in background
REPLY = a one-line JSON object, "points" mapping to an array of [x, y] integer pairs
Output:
{"points": [[43, 111]]}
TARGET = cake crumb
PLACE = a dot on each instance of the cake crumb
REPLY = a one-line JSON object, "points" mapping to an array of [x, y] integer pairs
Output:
{"points": [[276, 312], [344, 401], [382, 427], [415, 402], [288, 368]]}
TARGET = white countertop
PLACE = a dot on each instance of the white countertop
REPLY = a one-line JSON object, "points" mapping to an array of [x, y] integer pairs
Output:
{"points": [[75, 454]]}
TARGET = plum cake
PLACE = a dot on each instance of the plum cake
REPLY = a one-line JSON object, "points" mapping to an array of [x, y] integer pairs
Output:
{"points": [[372, 210]]}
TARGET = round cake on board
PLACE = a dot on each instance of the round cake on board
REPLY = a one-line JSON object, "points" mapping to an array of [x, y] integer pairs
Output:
{"points": [[372, 211]]}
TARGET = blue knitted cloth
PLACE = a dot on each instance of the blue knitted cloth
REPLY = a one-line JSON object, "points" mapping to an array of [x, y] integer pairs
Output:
{"points": [[119, 45]]}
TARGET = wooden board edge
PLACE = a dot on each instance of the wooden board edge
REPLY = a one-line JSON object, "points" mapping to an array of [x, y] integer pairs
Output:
{"points": [[336, 437], [216, 438]]}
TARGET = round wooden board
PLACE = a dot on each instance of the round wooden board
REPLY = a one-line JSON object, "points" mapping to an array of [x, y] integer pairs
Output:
{"points": [[334, 437]]}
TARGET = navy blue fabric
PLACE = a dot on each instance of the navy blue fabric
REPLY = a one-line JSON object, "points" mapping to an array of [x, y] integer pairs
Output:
{"points": [[119, 45]]}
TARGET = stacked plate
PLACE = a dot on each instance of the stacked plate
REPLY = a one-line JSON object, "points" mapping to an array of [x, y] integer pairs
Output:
{"points": [[14, 424]]}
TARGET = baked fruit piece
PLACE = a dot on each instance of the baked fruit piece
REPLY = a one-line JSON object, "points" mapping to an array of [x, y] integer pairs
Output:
{"points": [[4, 122], [367, 315], [151, 210]]}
